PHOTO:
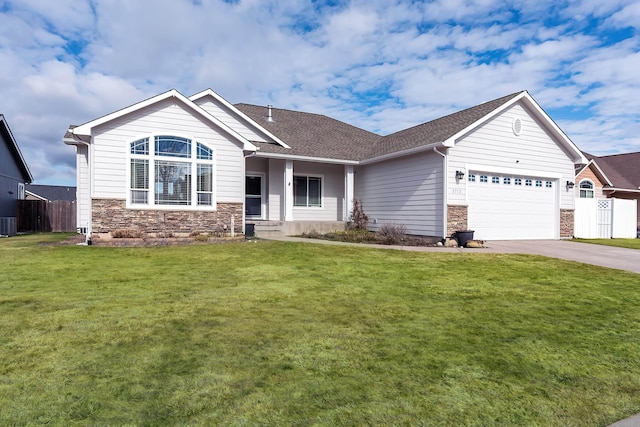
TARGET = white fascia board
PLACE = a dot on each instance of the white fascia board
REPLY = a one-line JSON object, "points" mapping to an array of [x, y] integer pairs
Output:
{"points": [[35, 195], [87, 128], [626, 190], [228, 105], [564, 139], [450, 142], [402, 153], [305, 158]]}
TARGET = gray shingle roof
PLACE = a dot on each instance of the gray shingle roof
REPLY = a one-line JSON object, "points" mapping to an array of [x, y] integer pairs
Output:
{"points": [[438, 130], [52, 192], [623, 170], [311, 135], [315, 135]]}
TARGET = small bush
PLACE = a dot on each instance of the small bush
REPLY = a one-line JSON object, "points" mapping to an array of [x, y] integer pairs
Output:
{"points": [[201, 237], [359, 220], [127, 234], [392, 234]]}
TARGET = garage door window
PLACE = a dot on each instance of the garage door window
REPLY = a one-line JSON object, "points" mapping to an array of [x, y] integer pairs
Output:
{"points": [[472, 178], [506, 180], [528, 182], [484, 178], [495, 180], [538, 183], [517, 181], [549, 184]]}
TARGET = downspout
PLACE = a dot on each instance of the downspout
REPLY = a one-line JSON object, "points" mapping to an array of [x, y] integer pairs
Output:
{"points": [[445, 189], [89, 179]]}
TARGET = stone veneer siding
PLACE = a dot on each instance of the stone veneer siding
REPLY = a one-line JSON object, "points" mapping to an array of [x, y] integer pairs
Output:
{"points": [[566, 223], [457, 218], [111, 214]]}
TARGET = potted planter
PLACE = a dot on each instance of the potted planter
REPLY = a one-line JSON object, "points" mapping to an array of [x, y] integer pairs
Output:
{"points": [[463, 236]]}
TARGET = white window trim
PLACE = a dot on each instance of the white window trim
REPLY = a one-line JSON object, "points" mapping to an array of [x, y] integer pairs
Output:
{"points": [[592, 189], [263, 201], [322, 185], [152, 157]]}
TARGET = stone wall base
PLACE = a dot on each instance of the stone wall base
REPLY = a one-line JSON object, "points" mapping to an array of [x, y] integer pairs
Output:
{"points": [[457, 218], [566, 223], [109, 215]]}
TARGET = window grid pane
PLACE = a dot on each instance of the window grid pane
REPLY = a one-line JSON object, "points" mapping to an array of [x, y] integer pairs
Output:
{"points": [[300, 191], [140, 146], [315, 192], [172, 146], [204, 153], [172, 183]]}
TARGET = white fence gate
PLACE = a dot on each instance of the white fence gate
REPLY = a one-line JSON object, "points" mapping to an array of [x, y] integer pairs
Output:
{"points": [[605, 219]]}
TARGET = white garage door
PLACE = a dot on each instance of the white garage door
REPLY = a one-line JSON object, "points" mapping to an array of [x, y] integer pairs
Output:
{"points": [[503, 207]]}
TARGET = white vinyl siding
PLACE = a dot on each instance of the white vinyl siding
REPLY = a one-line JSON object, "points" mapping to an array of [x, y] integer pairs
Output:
{"points": [[494, 145], [221, 113], [405, 191], [169, 117]]}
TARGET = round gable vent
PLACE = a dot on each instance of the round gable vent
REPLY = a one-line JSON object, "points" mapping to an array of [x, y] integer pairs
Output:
{"points": [[517, 127]]}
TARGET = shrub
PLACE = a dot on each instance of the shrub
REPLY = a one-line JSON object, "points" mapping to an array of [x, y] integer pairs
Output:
{"points": [[392, 234], [127, 234], [359, 220]]}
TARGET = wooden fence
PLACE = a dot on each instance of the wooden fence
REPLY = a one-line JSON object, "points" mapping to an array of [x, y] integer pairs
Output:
{"points": [[38, 215]]}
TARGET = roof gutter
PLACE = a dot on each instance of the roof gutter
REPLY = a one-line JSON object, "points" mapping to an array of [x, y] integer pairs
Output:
{"points": [[407, 152], [625, 190], [306, 158]]}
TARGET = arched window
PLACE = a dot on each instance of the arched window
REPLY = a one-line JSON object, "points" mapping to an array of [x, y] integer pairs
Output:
{"points": [[168, 170], [586, 189]]}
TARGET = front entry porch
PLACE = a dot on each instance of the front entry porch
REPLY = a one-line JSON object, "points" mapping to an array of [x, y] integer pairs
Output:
{"points": [[290, 197]]}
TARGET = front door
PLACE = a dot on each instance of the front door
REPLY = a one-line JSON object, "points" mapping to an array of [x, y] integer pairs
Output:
{"points": [[253, 196]]}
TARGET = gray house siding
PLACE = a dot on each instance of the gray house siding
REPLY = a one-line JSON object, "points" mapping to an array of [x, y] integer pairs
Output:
{"points": [[404, 191]]}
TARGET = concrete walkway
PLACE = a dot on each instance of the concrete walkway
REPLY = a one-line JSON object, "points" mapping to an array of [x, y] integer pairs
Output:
{"points": [[600, 255]]}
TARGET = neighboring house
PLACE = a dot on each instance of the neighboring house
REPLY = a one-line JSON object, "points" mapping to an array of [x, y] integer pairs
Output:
{"points": [[178, 164], [50, 193], [14, 173], [611, 177]]}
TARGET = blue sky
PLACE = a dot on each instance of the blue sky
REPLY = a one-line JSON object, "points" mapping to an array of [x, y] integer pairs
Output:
{"points": [[382, 65]]}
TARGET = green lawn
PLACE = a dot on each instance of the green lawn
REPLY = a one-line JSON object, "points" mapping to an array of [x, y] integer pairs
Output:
{"points": [[620, 243], [273, 333]]}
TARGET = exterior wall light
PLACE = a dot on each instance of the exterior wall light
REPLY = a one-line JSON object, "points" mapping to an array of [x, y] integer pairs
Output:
{"points": [[459, 175], [570, 185]]}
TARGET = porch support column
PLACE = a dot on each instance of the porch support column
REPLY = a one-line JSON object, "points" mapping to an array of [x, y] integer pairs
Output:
{"points": [[348, 192], [288, 190]]}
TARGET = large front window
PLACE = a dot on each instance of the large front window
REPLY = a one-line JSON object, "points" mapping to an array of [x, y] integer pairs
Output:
{"points": [[307, 191], [169, 163]]}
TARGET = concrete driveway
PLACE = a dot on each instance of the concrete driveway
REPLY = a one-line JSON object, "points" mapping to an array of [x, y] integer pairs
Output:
{"points": [[604, 256]]}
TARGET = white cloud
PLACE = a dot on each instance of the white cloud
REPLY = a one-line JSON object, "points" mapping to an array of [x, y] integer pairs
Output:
{"points": [[377, 64]]}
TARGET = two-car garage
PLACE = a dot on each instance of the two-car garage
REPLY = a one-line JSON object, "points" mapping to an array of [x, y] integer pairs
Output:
{"points": [[506, 207]]}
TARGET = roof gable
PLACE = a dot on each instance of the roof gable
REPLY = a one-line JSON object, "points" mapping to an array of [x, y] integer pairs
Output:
{"points": [[86, 128], [12, 145], [623, 170], [237, 114], [597, 171], [448, 129]]}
